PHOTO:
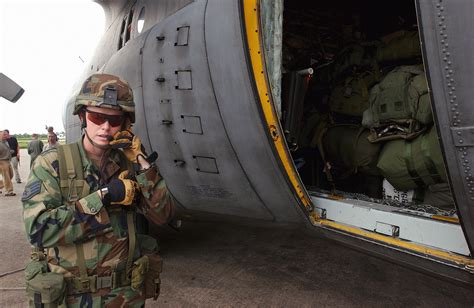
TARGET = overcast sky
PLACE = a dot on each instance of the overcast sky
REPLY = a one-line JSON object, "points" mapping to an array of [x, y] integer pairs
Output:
{"points": [[40, 46]]}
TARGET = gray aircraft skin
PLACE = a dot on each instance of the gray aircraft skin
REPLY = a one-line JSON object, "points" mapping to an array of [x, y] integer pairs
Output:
{"points": [[203, 103], [9, 89]]}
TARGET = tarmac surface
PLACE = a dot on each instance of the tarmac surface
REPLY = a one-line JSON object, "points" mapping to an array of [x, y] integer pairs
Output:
{"points": [[218, 264]]}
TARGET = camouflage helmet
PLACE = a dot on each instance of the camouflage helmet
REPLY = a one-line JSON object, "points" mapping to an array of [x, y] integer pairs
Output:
{"points": [[106, 91]]}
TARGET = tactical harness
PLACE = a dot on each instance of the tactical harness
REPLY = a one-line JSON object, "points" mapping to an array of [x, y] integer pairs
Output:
{"points": [[74, 187], [47, 289]]}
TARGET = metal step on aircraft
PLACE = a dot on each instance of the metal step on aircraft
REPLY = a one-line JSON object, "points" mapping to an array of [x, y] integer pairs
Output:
{"points": [[222, 89]]}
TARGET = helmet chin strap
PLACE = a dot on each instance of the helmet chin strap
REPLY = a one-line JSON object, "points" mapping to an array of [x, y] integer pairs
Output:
{"points": [[102, 147]]}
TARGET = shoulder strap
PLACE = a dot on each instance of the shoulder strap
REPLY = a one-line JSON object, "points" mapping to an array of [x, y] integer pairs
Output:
{"points": [[73, 186], [131, 241]]}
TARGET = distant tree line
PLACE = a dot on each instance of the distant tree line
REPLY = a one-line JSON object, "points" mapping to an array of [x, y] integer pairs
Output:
{"points": [[41, 136]]}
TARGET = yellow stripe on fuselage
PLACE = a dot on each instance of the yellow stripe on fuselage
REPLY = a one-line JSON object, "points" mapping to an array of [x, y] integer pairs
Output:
{"points": [[254, 40]]}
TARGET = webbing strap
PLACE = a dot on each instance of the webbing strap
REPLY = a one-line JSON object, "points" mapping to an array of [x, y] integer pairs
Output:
{"points": [[63, 172], [364, 89], [354, 146], [319, 139], [131, 240], [419, 195], [410, 166], [81, 261], [71, 182], [74, 187], [429, 163], [37, 300]]}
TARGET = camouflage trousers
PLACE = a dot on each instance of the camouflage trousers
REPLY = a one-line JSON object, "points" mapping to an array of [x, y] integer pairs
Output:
{"points": [[119, 297]]}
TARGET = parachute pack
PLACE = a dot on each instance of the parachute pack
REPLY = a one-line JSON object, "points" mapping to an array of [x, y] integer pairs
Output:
{"points": [[399, 106], [413, 164]]}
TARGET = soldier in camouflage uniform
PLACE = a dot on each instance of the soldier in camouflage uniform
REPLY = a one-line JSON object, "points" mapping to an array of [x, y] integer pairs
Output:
{"points": [[96, 230]]}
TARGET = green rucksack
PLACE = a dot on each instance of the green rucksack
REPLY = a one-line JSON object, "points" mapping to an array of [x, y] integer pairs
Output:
{"points": [[400, 106], [356, 57], [351, 97], [413, 164], [310, 125], [403, 46], [348, 151]]}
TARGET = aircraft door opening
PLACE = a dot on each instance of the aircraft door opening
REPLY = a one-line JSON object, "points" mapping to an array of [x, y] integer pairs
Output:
{"points": [[361, 132]]}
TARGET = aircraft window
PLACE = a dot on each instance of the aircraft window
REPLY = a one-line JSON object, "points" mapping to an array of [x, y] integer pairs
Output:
{"points": [[129, 25], [122, 28], [141, 20]]}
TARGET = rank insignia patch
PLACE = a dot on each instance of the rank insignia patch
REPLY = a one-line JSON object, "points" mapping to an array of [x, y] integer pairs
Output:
{"points": [[31, 190]]}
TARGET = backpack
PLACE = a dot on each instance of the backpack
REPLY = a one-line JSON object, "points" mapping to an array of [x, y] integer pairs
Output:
{"points": [[345, 152], [399, 106], [413, 164], [355, 57], [351, 97], [401, 45], [348, 151]]}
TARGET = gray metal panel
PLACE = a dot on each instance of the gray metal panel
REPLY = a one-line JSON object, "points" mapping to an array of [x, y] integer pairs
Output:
{"points": [[448, 45], [192, 124], [108, 45], [249, 178], [127, 64], [71, 123], [239, 109], [224, 188], [9, 89], [206, 164], [183, 36], [184, 80]]}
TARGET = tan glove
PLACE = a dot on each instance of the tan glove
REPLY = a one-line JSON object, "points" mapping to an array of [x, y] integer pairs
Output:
{"points": [[129, 143], [123, 190]]}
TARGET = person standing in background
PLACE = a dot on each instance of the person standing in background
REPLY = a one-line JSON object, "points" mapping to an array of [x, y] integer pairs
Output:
{"points": [[35, 147], [15, 152], [52, 141], [5, 156]]}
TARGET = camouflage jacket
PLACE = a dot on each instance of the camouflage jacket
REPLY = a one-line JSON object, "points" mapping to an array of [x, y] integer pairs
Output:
{"points": [[51, 223]]}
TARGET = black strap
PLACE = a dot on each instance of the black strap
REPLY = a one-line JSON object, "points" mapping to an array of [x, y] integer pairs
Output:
{"points": [[419, 195], [37, 300]]}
